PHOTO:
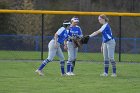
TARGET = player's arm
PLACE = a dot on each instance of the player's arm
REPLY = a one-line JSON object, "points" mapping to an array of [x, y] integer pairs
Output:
{"points": [[80, 33], [60, 30], [65, 44], [102, 47], [55, 40], [95, 33], [98, 31]]}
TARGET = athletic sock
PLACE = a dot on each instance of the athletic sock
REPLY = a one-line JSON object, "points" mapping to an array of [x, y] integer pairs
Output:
{"points": [[68, 67], [72, 66], [43, 64], [62, 63], [106, 66], [113, 67]]}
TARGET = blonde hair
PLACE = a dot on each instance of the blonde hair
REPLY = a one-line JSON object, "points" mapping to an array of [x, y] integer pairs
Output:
{"points": [[103, 16]]}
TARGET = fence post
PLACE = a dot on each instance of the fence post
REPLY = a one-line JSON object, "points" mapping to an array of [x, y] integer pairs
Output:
{"points": [[120, 36], [42, 35]]}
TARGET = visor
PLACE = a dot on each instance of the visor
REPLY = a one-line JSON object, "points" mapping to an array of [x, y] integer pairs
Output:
{"points": [[66, 23], [75, 20]]}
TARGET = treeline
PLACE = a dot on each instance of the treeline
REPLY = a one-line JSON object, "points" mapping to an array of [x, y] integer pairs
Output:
{"points": [[31, 23]]}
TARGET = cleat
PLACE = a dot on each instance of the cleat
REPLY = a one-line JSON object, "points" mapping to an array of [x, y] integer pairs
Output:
{"points": [[39, 72], [72, 73], [113, 75], [68, 73], [63, 74], [104, 75]]}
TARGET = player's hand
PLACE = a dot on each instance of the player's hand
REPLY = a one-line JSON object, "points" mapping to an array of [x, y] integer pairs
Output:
{"points": [[56, 45], [101, 48], [65, 47]]}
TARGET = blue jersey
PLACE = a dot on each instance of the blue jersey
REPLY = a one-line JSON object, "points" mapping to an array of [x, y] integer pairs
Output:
{"points": [[75, 31], [62, 35], [106, 32]]}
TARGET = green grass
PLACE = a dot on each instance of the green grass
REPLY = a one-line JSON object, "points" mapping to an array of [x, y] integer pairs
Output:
{"points": [[26, 55], [19, 55], [37, 55], [19, 77]]}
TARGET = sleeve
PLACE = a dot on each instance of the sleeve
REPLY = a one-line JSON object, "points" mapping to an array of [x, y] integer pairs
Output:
{"points": [[60, 30], [68, 32], [102, 28], [80, 32]]}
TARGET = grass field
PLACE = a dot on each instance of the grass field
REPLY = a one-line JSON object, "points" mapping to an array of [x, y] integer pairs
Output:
{"points": [[27, 55], [19, 77]]}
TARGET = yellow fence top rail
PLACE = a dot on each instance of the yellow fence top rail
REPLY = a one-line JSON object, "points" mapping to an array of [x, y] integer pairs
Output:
{"points": [[67, 12]]}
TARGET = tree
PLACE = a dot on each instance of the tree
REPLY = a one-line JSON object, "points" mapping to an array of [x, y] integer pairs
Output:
{"points": [[5, 23]]}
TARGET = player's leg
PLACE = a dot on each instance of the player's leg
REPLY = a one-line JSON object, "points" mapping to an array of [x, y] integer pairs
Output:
{"points": [[73, 65], [111, 49], [62, 62], [75, 56], [70, 56], [51, 53], [106, 60]]}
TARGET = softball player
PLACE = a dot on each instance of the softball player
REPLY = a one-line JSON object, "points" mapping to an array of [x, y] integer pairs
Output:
{"points": [[108, 45], [74, 32], [54, 48]]}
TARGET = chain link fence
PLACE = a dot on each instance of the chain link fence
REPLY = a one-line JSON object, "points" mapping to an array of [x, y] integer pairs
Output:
{"points": [[30, 34]]}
